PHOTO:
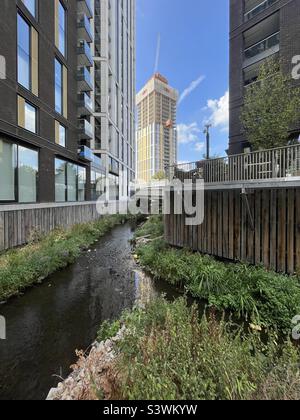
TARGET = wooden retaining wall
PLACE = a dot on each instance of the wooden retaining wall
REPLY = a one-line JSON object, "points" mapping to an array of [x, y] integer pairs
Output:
{"points": [[227, 232], [19, 223]]}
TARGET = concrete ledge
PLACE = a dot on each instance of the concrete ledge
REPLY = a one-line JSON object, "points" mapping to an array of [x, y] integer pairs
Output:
{"points": [[292, 182], [16, 207]]}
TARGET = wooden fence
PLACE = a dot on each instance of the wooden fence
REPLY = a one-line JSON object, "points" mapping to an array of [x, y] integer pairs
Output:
{"points": [[19, 223], [261, 228]]}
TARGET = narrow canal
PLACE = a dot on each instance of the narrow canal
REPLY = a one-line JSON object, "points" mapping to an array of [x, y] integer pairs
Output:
{"points": [[51, 321]]}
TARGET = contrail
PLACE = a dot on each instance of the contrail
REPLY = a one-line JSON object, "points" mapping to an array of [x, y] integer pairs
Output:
{"points": [[157, 54]]}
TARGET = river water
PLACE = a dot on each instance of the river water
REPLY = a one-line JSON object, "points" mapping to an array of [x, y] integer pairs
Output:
{"points": [[52, 320]]}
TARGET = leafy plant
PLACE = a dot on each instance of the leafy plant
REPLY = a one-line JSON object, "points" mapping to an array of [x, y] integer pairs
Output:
{"points": [[271, 107]]}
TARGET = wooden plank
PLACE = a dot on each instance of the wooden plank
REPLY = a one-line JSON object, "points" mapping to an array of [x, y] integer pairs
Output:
{"points": [[291, 231], [231, 218], [266, 228], [273, 230], [297, 230], [226, 222], [237, 226], [281, 263]]}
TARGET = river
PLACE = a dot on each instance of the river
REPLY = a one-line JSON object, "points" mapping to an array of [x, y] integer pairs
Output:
{"points": [[50, 321]]}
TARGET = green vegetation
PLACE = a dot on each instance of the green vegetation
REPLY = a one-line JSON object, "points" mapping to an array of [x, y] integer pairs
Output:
{"points": [[23, 267], [271, 107], [262, 297], [167, 353]]}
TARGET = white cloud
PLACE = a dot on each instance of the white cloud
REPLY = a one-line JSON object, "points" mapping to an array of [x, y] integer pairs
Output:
{"points": [[188, 133], [219, 109], [199, 147], [193, 86]]}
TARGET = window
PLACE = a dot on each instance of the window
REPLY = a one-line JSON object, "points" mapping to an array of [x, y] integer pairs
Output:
{"points": [[7, 171], [28, 172], [60, 180], [81, 183], [60, 27], [27, 115], [60, 88], [23, 53], [18, 173], [70, 181], [60, 134], [27, 56], [31, 6], [97, 185]]}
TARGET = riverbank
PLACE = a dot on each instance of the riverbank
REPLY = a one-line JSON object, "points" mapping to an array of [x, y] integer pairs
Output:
{"points": [[264, 298], [24, 267], [165, 352]]}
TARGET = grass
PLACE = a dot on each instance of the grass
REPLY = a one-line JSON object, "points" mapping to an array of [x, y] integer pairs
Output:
{"points": [[168, 353], [263, 297], [24, 267]]}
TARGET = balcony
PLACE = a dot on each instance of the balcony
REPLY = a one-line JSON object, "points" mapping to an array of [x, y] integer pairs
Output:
{"points": [[84, 29], [85, 8], [85, 105], [84, 79], [253, 9], [85, 130], [262, 49], [84, 53]]}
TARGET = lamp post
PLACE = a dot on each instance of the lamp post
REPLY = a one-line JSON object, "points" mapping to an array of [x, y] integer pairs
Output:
{"points": [[206, 131]]}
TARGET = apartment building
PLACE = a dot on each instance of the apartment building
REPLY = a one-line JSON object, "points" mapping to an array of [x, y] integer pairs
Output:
{"points": [[114, 75], [259, 29], [156, 136], [49, 122]]}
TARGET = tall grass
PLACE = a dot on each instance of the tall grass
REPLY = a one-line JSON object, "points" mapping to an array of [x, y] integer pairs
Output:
{"points": [[167, 353], [23, 267], [263, 297]]}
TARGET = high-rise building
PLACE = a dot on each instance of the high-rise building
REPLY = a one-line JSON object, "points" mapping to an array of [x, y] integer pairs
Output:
{"points": [[45, 100], [156, 131], [62, 95], [260, 29], [114, 116]]}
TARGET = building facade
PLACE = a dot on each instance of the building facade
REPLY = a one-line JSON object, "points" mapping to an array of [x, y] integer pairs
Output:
{"points": [[48, 89], [114, 74], [156, 136], [259, 29]]}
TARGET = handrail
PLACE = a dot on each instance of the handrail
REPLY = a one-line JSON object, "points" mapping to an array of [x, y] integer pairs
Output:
{"points": [[281, 162]]}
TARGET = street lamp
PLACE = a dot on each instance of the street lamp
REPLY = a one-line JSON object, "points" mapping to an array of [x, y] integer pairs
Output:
{"points": [[206, 131]]}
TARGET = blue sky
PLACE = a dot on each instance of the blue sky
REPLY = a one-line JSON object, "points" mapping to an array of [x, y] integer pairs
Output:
{"points": [[194, 56]]}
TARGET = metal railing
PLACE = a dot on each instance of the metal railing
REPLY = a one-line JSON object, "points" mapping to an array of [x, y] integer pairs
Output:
{"points": [[270, 164]]}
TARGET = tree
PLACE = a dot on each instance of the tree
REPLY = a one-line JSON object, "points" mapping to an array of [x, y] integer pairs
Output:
{"points": [[159, 176], [271, 108]]}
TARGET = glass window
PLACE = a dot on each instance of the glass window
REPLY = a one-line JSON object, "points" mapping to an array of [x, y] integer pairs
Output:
{"points": [[62, 29], [30, 118], [97, 185], [30, 4], [81, 183], [28, 172], [58, 87], [60, 180], [23, 53], [7, 171], [72, 182], [60, 134]]}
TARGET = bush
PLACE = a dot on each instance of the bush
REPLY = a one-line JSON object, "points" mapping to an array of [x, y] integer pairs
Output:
{"points": [[263, 297], [168, 354]]}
